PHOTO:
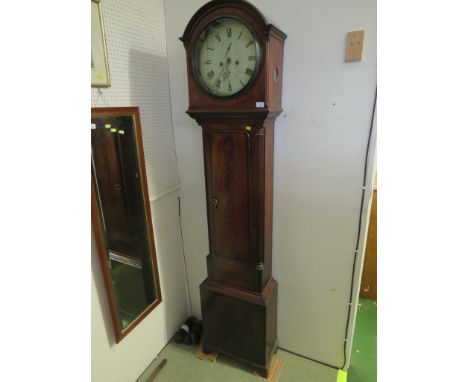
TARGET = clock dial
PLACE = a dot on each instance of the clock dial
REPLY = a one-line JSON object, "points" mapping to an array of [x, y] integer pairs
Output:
{"points": [[226, 57]]}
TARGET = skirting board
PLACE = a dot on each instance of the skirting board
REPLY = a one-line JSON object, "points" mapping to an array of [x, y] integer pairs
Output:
{"points": [[152, 370]]}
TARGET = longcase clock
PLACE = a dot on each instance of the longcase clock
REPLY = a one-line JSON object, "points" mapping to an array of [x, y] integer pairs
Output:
{"points": [[234, 67]]}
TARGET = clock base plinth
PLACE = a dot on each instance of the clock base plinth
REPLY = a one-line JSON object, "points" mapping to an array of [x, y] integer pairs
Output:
{"points": [[240, 323]]}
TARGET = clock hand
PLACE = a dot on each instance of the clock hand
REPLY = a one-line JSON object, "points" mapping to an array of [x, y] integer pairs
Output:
{"points": [[222, 71], [228, 49], [227, 73], [226, 65]]}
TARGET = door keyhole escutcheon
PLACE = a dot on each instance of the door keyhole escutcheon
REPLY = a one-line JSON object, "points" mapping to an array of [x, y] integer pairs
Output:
{"points": [[214, 201]]}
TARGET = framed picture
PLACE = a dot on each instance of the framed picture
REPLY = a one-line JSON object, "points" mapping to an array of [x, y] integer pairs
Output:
{"points": [[100, 76]]}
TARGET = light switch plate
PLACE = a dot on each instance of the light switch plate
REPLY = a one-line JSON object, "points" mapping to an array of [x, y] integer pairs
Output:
{"points": [[354, 45]]}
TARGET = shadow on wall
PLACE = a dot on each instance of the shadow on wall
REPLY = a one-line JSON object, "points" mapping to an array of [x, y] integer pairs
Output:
{"points": [[149, 90], [149, 87]]}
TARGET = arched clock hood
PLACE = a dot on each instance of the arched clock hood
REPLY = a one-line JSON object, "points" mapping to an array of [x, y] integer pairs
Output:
{"points": [[214, 5]]}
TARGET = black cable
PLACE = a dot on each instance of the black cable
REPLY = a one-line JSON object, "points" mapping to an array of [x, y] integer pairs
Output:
{"points": [[359, 227], [185, 262], [310, 359]]}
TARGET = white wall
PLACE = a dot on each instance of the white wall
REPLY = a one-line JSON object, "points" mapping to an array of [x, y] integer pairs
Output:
{"points": [[319, 157], [139, 75]]}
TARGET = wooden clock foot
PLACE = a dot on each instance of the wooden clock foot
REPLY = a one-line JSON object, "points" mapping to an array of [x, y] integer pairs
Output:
{"points": [[262, 372], [206, 349]]}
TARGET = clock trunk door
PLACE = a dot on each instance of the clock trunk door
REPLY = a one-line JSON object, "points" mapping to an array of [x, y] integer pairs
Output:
{"points": [[229, 204]]}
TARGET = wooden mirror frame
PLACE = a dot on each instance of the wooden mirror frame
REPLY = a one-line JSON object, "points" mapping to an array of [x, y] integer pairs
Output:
{"points": [[120, 332]]}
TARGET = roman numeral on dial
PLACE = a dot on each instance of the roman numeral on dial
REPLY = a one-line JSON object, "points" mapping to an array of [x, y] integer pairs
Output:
{"points": [[210, 75], [249, 72], [229, 32], [249, 43], [252, 58], [218, 84], [207, 62], [218, 37]]}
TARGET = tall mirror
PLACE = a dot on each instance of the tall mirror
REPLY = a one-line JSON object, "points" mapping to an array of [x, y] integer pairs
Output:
{"points": [[121, 216]]}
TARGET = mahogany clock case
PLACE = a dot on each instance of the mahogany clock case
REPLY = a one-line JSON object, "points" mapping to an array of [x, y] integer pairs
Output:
{"points": [[239, 296]]}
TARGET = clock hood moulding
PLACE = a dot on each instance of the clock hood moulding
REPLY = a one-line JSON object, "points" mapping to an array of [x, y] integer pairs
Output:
{"points": [[213, 5], [243, 115], [265, 87]]}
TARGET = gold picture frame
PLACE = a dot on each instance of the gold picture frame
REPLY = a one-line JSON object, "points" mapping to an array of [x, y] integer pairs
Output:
{"points": [[100, 74]]}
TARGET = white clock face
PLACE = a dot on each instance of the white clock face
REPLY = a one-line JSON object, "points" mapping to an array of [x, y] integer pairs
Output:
{"points": [[226, 57]]}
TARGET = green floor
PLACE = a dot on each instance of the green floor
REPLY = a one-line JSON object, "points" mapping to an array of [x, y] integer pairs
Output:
{"points": [[183, 366], [363, 367]]}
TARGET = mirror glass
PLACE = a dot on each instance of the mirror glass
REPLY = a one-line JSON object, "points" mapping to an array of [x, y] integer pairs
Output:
{"points": [[121, 216]]}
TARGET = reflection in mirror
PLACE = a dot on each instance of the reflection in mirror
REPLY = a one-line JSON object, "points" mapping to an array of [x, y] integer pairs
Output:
{"points": [[121, 216]]}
